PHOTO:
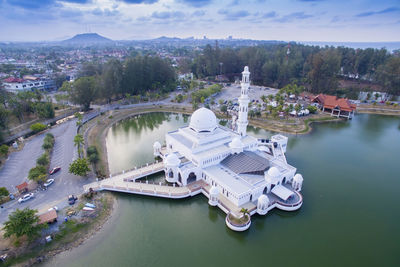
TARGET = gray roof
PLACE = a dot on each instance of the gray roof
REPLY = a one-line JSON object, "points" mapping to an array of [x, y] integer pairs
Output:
{"points": [[246, 163]]}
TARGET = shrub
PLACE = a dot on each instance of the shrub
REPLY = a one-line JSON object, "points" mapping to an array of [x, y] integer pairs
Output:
{"points": [[43, 160], [37, 174], [38, 127], [4, 191], [4, 150], [312, 109], [48, 141]]}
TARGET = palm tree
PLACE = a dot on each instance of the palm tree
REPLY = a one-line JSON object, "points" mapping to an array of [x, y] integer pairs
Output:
{"points": [[78, 142], [263, 98], [244, 211]]}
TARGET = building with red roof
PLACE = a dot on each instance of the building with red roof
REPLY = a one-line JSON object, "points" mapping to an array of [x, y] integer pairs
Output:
{"points": [[22, 188], [340, 107]]}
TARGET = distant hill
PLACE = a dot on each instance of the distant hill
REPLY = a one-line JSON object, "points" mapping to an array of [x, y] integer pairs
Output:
{"points": [[87, 39]]}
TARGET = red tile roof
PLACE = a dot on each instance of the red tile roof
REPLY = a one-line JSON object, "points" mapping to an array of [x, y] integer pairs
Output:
{"points": [[22, 186], [13, 80], [331, 102]]}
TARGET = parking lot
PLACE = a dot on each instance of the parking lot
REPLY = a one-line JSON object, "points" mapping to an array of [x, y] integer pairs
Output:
{"points": [[232, 93]]}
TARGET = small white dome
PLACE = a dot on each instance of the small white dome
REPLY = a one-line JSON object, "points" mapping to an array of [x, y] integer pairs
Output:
{"points": [[298, 178], [236, 143], [214, 191], [263, 199], [156, 144], [273, 172], [203, 120], [246, 69], [172, 160]]}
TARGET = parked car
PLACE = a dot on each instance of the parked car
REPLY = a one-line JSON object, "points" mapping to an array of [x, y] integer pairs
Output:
{"points": [[72, 199], [54, 208], [48, 182], [54, 170], [25, 198]]}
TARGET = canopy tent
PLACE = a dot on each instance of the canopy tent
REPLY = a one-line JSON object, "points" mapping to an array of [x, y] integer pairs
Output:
{"points": [[282, 192]]}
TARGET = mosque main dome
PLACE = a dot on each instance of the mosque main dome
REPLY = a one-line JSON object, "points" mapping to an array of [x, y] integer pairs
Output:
{"points": [[203, 120]]}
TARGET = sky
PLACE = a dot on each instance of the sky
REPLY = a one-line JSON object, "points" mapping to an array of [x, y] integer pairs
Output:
{"points": [[287, 20]]}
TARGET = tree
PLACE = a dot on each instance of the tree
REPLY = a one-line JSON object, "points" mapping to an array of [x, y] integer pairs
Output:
{"points": [[23, 223], [43, 160], [44, 110], [297, 108], [79, 167], [224, 109], [244, 211], [4, 117], [111, 79], [4, 150], [83, 91], [48, 141], [3, 192], [93, 154], [38, 127], [37, 174], [78, 116], [389, 75], [78, 142], [312, 109]]}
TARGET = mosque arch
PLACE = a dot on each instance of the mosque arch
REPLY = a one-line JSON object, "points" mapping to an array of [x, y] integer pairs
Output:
{"points": [[191, 178]]}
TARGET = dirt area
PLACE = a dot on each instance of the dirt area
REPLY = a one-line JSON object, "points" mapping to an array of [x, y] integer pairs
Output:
{"points": [[66, 235]]}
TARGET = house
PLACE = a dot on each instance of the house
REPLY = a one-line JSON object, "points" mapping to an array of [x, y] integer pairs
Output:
{"points": [[48, 217], [340, 107], [22, 188]]}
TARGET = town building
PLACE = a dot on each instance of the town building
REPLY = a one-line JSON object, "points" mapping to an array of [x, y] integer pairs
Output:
{"points": [[28, 83], [338, 107]]}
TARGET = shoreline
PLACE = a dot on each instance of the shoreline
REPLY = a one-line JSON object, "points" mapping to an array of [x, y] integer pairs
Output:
{"points": [[95, 131], [45, 254]]}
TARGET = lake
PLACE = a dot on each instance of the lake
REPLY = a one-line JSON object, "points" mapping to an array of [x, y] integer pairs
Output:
{"points": [[350, 215]]}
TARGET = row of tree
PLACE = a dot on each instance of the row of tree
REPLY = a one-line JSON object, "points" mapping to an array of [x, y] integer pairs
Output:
{"points": [[116, 79], [23, 104], [315, 67]]}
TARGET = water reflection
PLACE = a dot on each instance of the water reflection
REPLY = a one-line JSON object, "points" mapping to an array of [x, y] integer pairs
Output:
{"points": [[213, 213]]}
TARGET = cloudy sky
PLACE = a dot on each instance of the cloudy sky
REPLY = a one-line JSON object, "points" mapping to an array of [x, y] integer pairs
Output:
{"points": [[298, 20]]}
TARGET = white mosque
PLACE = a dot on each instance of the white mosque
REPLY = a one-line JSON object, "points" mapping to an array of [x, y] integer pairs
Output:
{"points": [[240, 170]]}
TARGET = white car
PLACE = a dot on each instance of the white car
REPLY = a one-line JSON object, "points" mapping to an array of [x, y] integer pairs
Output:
{"points": [[48, 182], [53, 208], [25, 198]]}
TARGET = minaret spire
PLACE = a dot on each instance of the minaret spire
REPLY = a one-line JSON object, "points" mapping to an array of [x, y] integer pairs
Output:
{"points": [[243, 102]]}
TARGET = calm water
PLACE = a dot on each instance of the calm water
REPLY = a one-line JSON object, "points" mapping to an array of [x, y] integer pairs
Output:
{"points": [[350, 215]]}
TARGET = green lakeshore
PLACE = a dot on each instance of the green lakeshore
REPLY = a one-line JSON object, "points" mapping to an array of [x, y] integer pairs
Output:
{"points": [[349, 217]]}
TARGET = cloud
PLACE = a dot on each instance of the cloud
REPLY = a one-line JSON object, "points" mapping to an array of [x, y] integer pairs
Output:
{"points": [[195, 3], [105, 12], [268, 15], [37, 4], [233, 15], [167, 15], [294, 16], [199, 13], [138, 1], [384, 11]]}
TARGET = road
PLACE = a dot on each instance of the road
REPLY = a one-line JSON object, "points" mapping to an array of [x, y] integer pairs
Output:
{"points": [[17, 168]]}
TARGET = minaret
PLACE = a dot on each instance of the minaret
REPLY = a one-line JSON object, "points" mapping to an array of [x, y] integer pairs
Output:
{"points": [[243, 102]]}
